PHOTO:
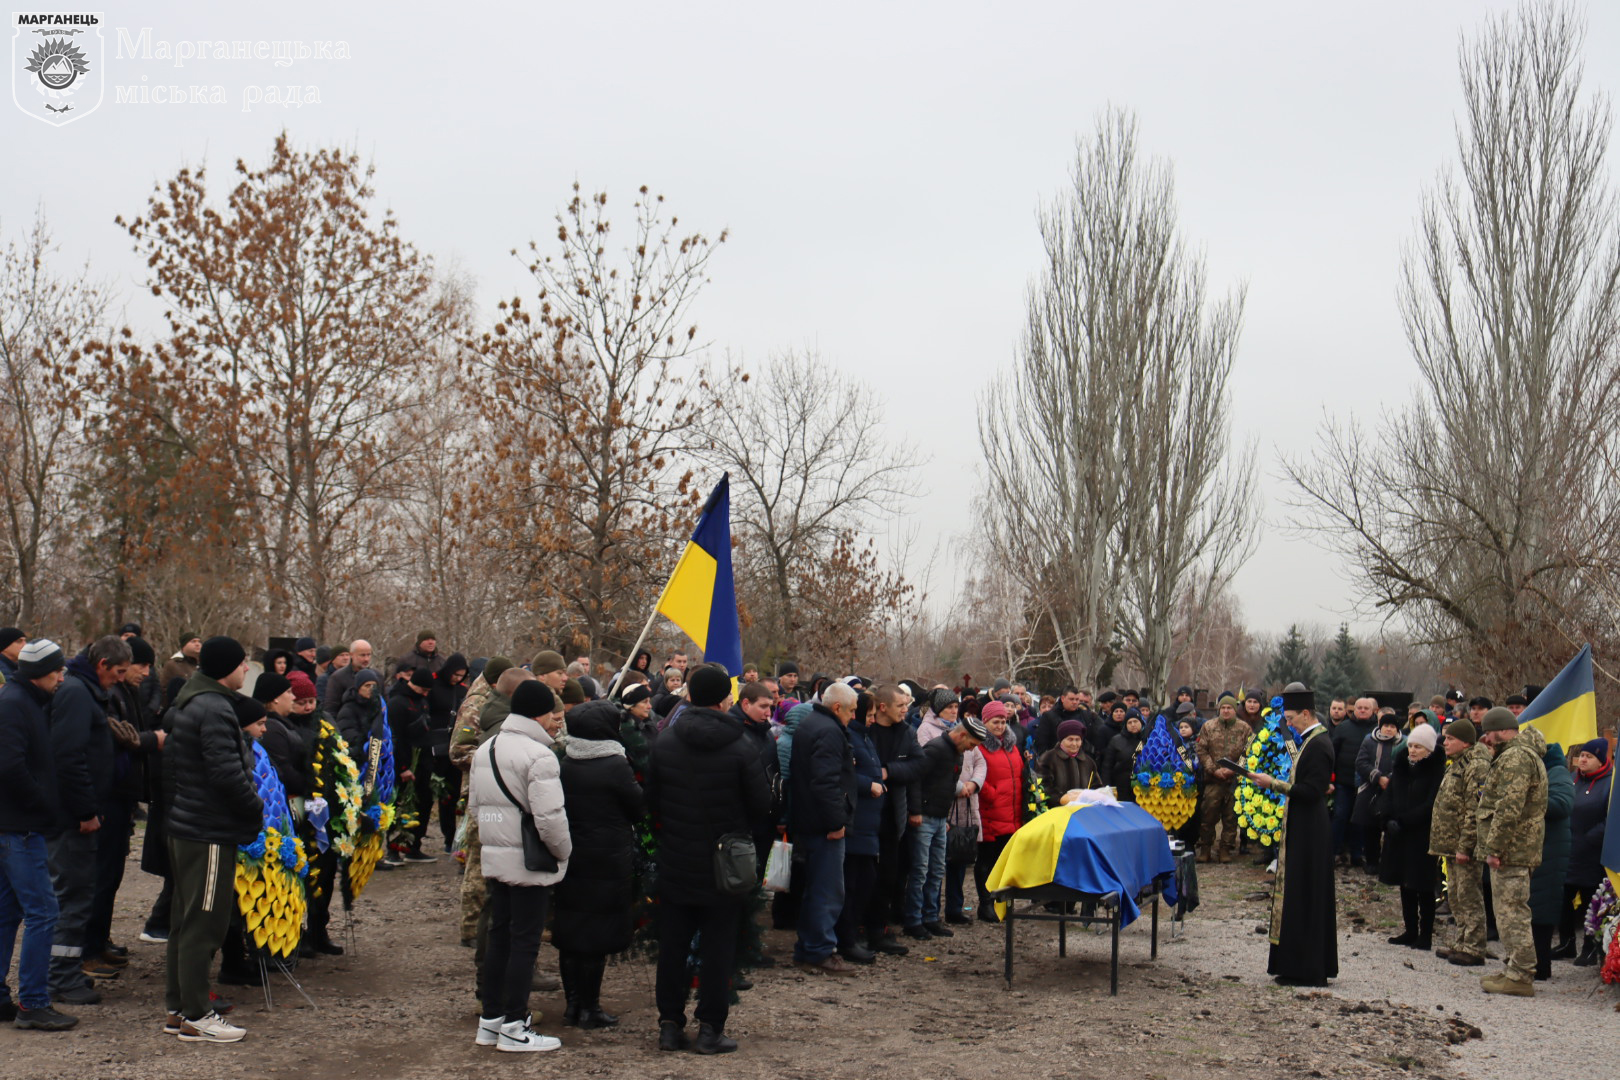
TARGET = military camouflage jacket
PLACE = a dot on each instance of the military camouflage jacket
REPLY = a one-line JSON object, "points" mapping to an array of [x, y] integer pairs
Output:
{"points": [[1455, 824], [1216, 741], [1513, 806]]}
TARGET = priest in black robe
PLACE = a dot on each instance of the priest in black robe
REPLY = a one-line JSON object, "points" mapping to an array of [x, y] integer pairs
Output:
{"points": [[1304, 924]]}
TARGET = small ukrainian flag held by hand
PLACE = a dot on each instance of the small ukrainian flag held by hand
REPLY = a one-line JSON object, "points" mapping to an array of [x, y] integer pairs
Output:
{"points": [[701, 596], [1566, 711]]}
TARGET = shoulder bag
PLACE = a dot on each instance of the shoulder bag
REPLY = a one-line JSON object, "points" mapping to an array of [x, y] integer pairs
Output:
{"points": [[537, 858]]}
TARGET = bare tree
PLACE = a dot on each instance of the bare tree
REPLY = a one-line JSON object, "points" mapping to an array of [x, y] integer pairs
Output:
{"points": [[1484, 513], [1126, 489], [46, 320], [810, 465], [301, 337], [593, 394]]}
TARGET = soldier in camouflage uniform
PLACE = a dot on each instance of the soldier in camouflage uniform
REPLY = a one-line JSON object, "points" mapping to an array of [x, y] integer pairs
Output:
{"points": [[463, 743], [1452, 837], [1512, 824], [1224, 737]]}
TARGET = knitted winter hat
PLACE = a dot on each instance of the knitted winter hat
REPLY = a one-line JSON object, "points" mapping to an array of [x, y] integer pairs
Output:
{"points": [[1501, 718], [39, 658], [548, 661], [1423, 735], [270, 686], [708, 686], [533, 698], [303, 687], [1463, 728], [220, 656], [141, 652], [1070, 727], [9, 636]]}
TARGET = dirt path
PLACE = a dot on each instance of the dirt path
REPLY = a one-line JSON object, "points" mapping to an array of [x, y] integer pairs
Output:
{"points": [[402, 1006]]}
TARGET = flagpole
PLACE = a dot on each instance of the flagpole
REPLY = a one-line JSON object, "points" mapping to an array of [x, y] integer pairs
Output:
{"points": [[645, 630]]}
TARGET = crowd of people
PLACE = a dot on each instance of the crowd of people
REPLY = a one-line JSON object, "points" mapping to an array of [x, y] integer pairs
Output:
{"points": [[602, 805]]}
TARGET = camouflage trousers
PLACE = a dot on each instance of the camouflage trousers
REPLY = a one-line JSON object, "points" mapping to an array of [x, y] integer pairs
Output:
{"points": [[472, 885], [1467, 905], [1218, 807], [1510, 895]]}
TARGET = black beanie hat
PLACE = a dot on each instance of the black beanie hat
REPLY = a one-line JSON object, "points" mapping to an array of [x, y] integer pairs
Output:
{"points": [[220, 656], [304, 644], [708, 686], [787, 667], [533, 698], [9, 636], [141, 652], [247, 710], [636, 695], [422, 678], [270, 686]]}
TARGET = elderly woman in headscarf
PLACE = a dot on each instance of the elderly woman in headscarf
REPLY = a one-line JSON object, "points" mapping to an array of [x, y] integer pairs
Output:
{"points": [[1408, 806], [1067, 767]]}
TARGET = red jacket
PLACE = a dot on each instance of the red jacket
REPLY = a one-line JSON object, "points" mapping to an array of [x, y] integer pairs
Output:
{"points": [[1001, 798]]}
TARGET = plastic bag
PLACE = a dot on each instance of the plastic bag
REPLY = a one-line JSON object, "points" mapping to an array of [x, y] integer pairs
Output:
{"points": [[779, 867]]}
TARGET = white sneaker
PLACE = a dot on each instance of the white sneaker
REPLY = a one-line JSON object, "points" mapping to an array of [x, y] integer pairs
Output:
{"points": [[210, 1028], [489, 1030], [518, 1038]]}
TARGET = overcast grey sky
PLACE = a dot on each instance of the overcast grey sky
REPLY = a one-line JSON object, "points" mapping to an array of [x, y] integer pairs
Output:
{"points": [[878, 165]]}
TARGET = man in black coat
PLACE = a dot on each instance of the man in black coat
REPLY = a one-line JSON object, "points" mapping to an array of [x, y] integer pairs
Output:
{"points": [[29, 818], [213, 807], [1347, 739], [753, 712], [408, 719], [821, 807], [901, 757], [704, 782], [82, 744]]}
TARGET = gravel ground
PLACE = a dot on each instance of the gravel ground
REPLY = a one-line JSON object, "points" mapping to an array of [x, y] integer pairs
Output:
{"points": [[1563, 1031], [401, 1006]]}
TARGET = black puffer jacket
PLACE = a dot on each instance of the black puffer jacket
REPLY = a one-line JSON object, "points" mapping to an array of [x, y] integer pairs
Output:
{"points": [[898, 752], [704, 782], [358, 720], [1409, 802], [290, 742], [937, 778], [1587, 822], [603, 803], [28, 792], [408, 718], [208, 769]]}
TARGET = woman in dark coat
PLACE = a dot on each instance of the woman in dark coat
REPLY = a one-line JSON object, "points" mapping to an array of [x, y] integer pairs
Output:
{"points": [[1119, 762], [1593, 776], [1408, 806], [444, 700], [603, 803], [1547, 880]]}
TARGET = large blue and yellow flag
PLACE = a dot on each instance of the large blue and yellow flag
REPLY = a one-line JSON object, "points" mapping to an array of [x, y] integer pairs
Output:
{"points": [[1090, 849], [1611, 835], [701, 597], [1566, 711]]}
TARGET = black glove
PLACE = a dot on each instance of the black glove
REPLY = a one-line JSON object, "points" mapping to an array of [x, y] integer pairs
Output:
{"points": [[1392, 827]]}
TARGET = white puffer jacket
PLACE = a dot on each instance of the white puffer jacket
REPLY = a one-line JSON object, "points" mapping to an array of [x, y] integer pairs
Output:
{"points": [[532, 774]]}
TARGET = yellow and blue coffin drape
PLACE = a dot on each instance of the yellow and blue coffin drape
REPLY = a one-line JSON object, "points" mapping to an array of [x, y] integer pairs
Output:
{"points": [[1566, 711], [1090, 849], [701, 596]]}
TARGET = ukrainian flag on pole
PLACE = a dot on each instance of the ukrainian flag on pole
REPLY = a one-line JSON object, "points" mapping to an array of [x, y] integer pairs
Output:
{"points": [[1566, 711], [701, 597]]}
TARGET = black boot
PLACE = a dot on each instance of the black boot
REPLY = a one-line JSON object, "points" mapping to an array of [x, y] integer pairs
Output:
{"points": [[711, 1041], [591, 1016], [1541, 934], [671, 1036], [1425, 938], [1409, 914], [1589, 954], [568, 970], [1564, 950]]}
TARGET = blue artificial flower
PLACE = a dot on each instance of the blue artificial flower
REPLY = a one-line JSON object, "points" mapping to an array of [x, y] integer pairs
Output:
{"points": [[1167, 780], [374, 812], [289, 852], [255, 850], [1144, 778]]}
